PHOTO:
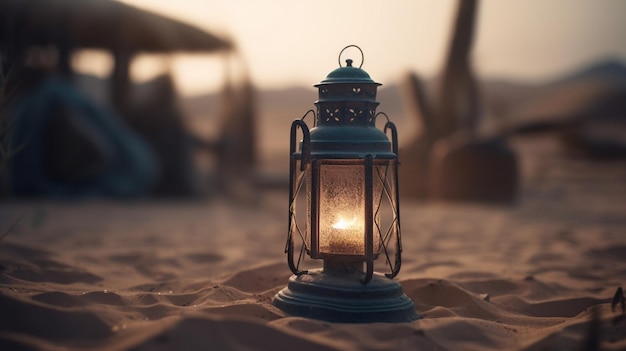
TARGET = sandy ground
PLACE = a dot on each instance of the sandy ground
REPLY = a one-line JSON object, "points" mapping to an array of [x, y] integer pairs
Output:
{"points": [[539, 275]]}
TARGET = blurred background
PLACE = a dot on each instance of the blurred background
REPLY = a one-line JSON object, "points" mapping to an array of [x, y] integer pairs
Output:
{"points": [[154, 98]]}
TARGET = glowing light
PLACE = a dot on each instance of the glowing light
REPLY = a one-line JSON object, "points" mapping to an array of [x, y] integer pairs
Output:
{"points": [[342, 223]]}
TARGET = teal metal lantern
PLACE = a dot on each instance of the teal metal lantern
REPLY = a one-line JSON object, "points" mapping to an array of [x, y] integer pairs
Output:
{"points": [[344, 208]]}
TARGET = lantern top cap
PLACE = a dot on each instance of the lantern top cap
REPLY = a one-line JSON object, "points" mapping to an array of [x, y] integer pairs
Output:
{"points": [[348, 74]]}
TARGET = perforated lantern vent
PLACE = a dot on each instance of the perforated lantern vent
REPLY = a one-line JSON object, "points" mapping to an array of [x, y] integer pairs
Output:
{"points": [[347, 97]]}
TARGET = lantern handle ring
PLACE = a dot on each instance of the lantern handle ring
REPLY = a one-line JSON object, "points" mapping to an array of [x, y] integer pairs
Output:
{"points": [[394, 131], [350, 63], [306, 139], [381, 113], [306, 114]]}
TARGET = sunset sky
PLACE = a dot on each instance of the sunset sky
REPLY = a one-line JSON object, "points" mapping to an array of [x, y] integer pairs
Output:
{"points": [[288, 43]]}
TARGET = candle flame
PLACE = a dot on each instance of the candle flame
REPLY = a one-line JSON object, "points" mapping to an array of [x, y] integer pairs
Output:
{"points": [[344, 224]]}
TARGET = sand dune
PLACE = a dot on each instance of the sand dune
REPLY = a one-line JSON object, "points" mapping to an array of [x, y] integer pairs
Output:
{"points": [[201, 275]]}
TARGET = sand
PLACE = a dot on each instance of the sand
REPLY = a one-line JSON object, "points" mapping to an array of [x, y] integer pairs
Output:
{"points": [[185, 275]]}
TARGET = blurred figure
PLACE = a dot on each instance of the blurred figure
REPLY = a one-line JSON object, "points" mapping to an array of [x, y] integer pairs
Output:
{"points": [[159, 121], [69, 146]]}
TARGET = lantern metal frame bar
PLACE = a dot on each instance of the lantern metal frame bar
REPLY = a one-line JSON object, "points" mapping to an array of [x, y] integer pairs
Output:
{"points": [[304, 158], [385, 192], [394, 148], [369, 219], [313, 207]]}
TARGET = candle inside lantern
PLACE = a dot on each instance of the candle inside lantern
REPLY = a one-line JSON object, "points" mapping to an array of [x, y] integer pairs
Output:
{"points": [[345, 236], [345, 224]]}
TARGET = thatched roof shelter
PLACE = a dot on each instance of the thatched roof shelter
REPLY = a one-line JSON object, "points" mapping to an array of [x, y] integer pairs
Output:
{"points": [[122, 29], [101, 24]]}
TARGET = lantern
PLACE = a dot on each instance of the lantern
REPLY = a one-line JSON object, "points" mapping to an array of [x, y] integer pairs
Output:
{"points": [[344, 208]]}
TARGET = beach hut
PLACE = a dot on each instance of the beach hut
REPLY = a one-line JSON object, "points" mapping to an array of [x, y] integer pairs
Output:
{"points": [[124, 31]]}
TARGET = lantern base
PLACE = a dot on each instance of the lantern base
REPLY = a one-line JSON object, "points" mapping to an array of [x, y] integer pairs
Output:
{"points": [[344, 299]]}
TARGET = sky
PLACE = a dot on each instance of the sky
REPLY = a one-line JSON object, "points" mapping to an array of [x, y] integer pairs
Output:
{"points": [[296, 43]]}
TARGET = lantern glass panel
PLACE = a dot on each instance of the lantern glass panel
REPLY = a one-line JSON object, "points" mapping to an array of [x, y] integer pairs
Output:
{"points": [[300, 203], [341, 209], [386, 225]]}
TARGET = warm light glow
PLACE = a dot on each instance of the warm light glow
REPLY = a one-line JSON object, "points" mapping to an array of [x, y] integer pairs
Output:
{"points": [[346, 236], [342, 223]]}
